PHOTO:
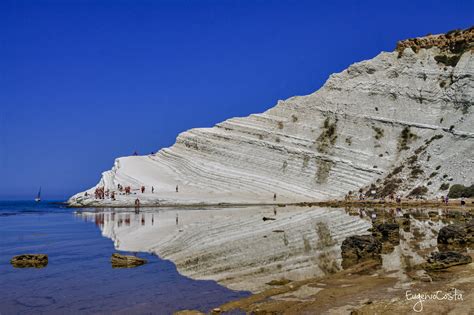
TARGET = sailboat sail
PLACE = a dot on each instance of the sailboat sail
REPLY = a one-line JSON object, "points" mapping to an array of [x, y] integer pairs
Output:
{"points": [[38, 197]]}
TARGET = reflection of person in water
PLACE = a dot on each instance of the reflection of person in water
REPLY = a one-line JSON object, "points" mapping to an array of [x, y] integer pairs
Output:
{"points": [[374, 216], [137, 205]]}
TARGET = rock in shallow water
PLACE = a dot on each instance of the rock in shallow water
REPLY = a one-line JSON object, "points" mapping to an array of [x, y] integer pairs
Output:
{"points": [[442, 260], [30, 261], [126, 261], [457, 234], [358, 248], [388, 234]]}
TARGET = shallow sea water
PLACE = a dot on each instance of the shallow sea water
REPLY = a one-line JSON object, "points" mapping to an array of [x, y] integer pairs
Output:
{"points": [[79, 277]]}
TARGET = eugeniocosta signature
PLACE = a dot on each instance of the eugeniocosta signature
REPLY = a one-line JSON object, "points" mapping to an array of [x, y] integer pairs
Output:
{"points": [[420, 298]]}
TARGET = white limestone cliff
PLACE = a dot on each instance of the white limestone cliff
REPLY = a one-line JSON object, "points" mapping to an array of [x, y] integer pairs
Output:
{"points": [[399, 121]]}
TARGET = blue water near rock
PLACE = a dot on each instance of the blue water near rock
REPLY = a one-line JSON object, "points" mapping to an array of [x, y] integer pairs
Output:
{"points": [[79, 277]]}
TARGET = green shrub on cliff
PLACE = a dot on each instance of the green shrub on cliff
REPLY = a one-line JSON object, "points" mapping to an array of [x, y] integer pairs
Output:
{"points": [[458, 191]]}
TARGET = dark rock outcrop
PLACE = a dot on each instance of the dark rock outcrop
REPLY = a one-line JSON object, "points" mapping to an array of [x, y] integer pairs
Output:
{"points": [[30, 261], [126, 261], [388, 234], [404, 223], [457, 234], [282, 281], [358, 248], [456, 41], [442, 260]]}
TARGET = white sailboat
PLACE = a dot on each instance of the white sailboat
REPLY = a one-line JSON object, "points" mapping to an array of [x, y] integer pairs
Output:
{"points": [[38, 197]]}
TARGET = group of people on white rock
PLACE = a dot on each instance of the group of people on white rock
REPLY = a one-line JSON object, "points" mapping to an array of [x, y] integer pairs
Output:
{"points": [[102, 193]]}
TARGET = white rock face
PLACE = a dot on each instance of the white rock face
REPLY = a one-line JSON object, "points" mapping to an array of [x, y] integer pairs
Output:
{"points": [[361, 125]]}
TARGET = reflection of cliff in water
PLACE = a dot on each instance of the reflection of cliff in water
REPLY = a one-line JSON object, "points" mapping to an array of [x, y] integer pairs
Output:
{"points": [[239, 249]]}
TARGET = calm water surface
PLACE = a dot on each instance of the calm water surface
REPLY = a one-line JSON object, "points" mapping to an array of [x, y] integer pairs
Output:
{"points": [[79, 277]]}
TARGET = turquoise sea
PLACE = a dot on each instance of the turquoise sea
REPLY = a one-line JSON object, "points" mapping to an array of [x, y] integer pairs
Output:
{"points": [[79, 277]]}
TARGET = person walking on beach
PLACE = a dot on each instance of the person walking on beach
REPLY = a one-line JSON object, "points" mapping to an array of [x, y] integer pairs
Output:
{"points": [[152, 189], [143, 189], [446, 200], [176, 188], [274, 196], [275, 211], [176, 219]]}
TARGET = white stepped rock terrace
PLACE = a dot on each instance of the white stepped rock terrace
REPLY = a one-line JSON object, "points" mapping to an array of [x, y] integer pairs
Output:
{"points": [[345, 136], [234, 246]]}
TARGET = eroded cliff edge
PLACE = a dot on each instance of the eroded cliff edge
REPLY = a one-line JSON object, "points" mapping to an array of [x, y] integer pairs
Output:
{"points": [[401, 122]]}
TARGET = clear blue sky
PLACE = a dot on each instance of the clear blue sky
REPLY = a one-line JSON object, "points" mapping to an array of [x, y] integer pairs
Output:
{"points": [[84, 82]]}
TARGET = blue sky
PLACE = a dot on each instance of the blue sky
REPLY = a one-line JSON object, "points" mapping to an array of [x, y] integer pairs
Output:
{"points": [[84, 82]]}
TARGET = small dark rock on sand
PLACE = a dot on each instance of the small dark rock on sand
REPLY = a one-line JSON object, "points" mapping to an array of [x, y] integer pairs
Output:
{"points": [[126, 261], [30, 261], [443, 260], [279, 282]]}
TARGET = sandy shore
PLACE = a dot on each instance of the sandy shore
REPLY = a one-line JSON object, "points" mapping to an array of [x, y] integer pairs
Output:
{"points": [[359, 290]]}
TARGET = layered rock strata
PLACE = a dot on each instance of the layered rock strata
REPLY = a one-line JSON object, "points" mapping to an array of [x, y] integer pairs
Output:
{"points": [[401, 123]]}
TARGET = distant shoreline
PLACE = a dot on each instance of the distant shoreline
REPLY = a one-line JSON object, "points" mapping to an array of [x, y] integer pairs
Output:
{"points": [[432, 203]]}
